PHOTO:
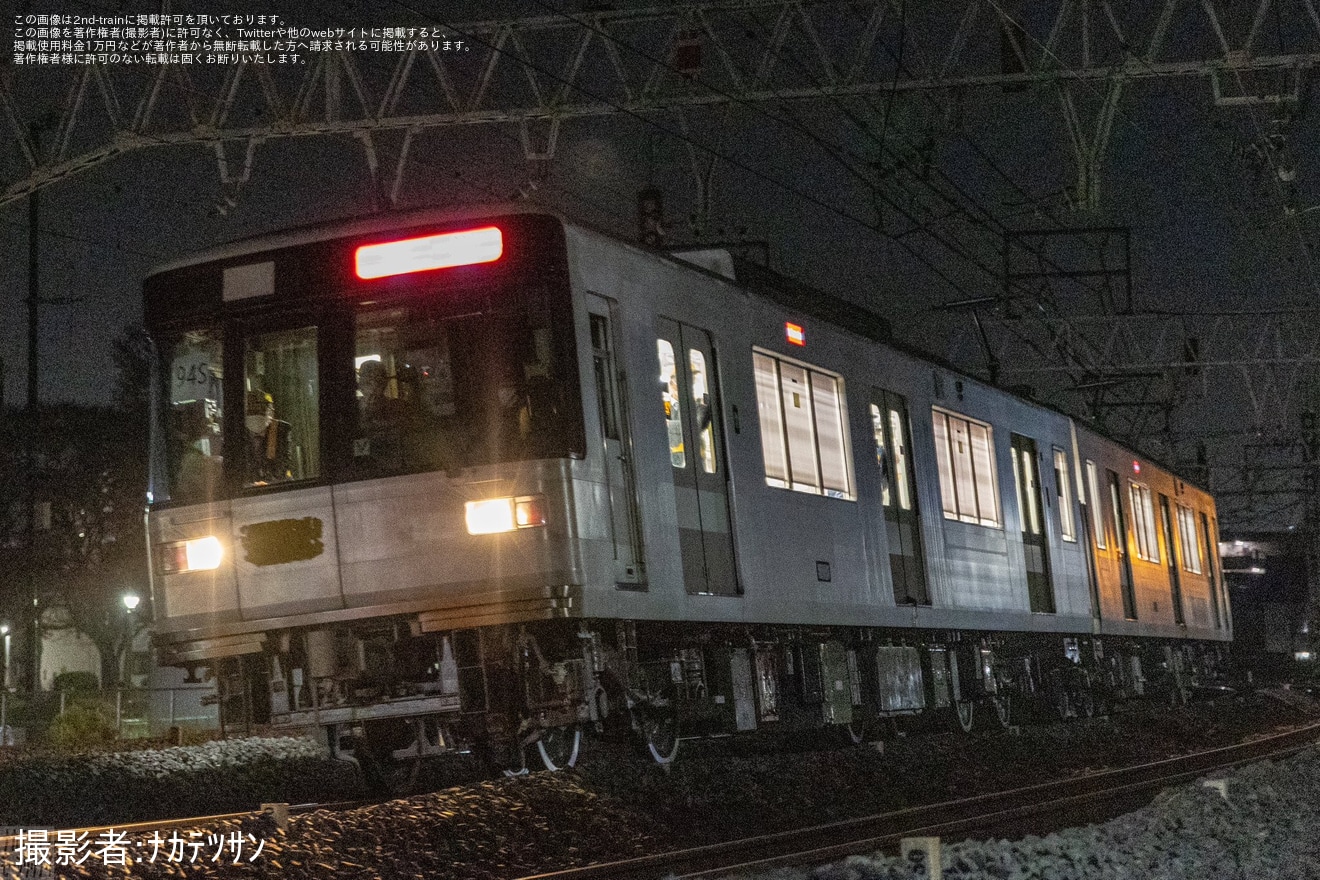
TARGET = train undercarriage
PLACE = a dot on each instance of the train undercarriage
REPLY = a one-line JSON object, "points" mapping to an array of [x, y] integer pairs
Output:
{"points": [[387, 696]]}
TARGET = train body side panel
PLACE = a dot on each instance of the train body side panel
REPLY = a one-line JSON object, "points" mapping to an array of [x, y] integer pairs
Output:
{"points": [[786, 539]]}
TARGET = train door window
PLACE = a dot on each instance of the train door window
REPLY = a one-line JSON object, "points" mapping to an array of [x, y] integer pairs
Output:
{"points": [[196, 415], [281, 401], [1120, 546], [1097, 519], [1191, 547], [803, 427], [1063, 490], [965, 451], [890, 428], [1171, 548], [889, 423], [670, 396], [702, 398], [1035, 543], [602, 359], [1143, 522]]}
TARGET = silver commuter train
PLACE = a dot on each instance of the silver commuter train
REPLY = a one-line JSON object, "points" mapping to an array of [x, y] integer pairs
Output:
{"points": [[460, 510]]}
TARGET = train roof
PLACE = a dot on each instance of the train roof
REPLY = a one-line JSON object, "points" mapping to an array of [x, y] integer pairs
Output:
{"points": [[746, 274]]}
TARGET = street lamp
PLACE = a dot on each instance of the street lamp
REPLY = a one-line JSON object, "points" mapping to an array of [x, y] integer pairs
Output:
{"points": [[4, 631], [131, 601]]}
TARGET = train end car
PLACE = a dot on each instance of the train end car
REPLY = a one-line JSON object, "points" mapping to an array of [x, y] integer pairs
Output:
{"points": [[489, 478]]}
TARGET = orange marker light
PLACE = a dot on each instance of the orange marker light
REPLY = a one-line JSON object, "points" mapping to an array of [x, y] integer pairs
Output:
{"points": [[441, 251], [796, 335]]}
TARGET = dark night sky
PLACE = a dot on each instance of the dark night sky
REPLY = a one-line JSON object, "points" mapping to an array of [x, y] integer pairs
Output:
{"points": [[1207, 231]]}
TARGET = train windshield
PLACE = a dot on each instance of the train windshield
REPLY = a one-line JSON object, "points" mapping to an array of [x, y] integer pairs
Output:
{"points": [[425, 384], [437, 391]]}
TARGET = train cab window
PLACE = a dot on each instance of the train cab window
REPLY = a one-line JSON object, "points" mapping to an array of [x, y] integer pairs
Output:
{"points": [[436, 391], [964, 449], [1191, 547], [1143, 522], [670, 397], [804, 437], [281, 401], [1097, 519], [195, 450], [1063, 490]]}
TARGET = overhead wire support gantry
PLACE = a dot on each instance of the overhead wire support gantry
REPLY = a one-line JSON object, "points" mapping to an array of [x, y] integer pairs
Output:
{"points": [[108, 111]]}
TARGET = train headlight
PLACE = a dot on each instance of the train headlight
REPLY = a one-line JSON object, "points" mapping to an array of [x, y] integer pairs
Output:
{"points": [[494, 515], [196, 554]]}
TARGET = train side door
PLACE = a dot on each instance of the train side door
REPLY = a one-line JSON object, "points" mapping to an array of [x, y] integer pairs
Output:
{"points": [[1175, 584], [1121, 548], [893, 454], [1026, 474], [689, 391], [616, 437], [1211, 558]]}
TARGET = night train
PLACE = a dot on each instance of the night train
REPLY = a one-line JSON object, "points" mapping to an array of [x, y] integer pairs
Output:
{"points": [[485, 479]]}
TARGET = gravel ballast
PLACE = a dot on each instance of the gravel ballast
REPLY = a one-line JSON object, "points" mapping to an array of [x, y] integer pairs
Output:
{"points": [[614, 806], [1265, 827]]}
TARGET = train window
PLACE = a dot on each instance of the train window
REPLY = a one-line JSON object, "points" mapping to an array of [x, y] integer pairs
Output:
{"points": [[670, 396], [1063, 488], [701, 399], [1097, 520], [804, 438], [281, 403], [196, 415], [436, 391], [1143, 522], [965, 451], [1191, 547]]}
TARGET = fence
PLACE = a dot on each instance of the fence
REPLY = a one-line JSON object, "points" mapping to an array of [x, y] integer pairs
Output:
{"points": [[134, 712]]}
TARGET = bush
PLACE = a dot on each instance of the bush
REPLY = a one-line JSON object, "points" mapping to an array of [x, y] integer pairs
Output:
{"points": [[81, 726], [79, 682]]}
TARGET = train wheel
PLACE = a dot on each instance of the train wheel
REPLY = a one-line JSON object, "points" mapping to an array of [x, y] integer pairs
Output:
{"points": [[964, 712], [559, 746], [509, 759], [1003, 703], [658, 730]]}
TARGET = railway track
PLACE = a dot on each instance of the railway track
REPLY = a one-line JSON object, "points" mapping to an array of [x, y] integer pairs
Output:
{"points": [[1034, 809]]}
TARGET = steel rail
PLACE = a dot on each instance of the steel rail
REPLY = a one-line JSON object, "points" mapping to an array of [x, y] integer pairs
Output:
{"points": [[1008, 810]]}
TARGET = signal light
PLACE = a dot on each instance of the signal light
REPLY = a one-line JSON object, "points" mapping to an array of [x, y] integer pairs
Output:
{"points": [[795, 334], [442, 251]]}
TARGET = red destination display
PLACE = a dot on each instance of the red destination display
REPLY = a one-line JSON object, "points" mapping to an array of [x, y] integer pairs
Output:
{"points": [[442, 251]]}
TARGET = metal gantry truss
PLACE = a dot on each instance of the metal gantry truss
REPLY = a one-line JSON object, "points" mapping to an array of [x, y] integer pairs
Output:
{"points": [[539, 72], [1223, 394]]}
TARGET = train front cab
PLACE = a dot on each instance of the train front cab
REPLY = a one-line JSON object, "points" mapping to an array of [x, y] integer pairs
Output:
{"points": [[359, 479]]}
